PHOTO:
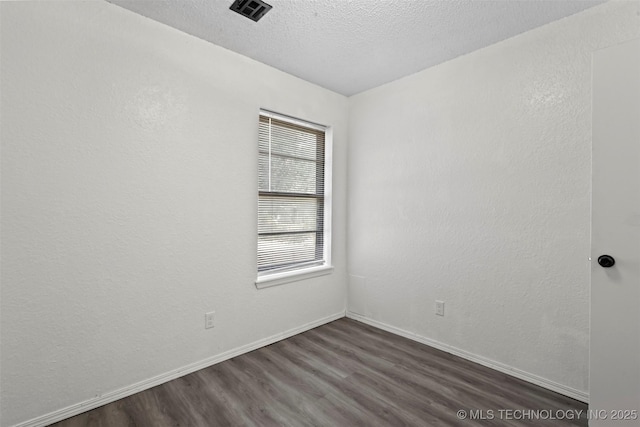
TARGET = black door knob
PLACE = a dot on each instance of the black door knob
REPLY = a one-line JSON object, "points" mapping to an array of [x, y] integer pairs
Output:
{"points": [[606, 261]]}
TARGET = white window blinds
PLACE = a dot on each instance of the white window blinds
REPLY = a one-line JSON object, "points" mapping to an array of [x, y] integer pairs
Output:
{"points": [[291, 171]]}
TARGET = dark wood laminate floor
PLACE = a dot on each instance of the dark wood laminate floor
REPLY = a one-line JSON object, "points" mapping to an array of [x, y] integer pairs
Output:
{"points": [[344, 373]]}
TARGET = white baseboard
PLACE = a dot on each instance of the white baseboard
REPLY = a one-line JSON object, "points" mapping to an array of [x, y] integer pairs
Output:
{"points": [[509, 370], [112, 396], [98, 401]]}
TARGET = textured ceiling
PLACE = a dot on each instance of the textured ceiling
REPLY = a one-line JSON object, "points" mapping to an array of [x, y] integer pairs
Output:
{"points": [[350, 46]]}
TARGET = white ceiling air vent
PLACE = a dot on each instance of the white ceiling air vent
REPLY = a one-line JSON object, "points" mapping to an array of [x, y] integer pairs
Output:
{"points": [[252, 9]]}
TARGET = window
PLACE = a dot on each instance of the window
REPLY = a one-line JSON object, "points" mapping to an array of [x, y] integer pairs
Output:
{"points": [[293, 199]]}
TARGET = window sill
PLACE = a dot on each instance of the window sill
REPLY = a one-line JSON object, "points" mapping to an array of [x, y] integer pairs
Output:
{"points": [[292, 276]]}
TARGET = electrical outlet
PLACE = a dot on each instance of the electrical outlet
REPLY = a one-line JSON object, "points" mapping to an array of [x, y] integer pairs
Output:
{"points": [[208, 319], [440, 308]]}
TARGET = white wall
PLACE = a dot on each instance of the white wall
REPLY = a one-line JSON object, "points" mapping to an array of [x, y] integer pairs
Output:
{"points": [[129, 198], [470, 183]]}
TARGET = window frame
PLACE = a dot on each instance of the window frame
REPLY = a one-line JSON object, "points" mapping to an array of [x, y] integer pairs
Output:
{"points": [[270, 278]]}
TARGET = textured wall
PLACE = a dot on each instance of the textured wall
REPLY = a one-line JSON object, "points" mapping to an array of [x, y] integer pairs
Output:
{"points": [[469, 182], [129, 180]]}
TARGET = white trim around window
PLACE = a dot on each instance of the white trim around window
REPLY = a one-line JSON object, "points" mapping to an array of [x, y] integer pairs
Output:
{"points": [[285, 153]]}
